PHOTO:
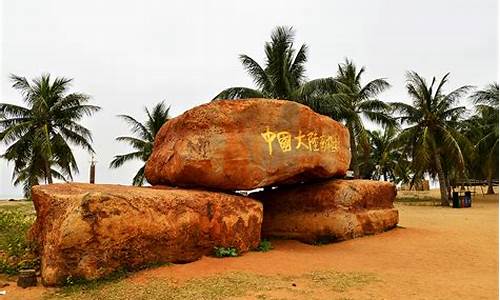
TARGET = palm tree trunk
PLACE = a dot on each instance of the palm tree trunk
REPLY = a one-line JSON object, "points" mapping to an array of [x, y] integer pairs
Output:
{"points": [[48, 175], [490, 190], [442, 180], [354, 154], [448, 185]]}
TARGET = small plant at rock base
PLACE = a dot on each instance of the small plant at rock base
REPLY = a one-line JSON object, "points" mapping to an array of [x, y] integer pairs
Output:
{"points": [[225, 252], [264, 246]]}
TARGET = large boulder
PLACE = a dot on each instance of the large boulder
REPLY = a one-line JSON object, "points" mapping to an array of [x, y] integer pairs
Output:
{"points": [[88, 231], [333, 210], [246, 144]]}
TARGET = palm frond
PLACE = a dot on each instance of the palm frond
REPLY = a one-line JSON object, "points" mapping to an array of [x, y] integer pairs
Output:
{"points": [[487, 96], [259, 76], [137, 127], [239, 93], [13, 111], [139, 177], [119, 160], [21, 84], [132, 141], [373, 88], [297, 69]]}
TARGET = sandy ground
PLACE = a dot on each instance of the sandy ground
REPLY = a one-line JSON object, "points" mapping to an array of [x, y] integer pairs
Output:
{"points": [[438, 253]]}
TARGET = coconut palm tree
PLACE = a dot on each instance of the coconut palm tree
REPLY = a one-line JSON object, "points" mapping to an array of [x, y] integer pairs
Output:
{"points": [[143, 140], [37, 135], [281, 76], [346, 99], [483, 129], [432, 120]]}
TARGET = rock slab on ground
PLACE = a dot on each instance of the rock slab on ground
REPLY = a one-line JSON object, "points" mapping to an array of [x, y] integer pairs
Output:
{"points": [[332, 210], [90, 230], [246, 144]]}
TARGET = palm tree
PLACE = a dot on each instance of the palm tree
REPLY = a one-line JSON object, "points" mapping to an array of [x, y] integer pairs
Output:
{"points": [[282, 75], [143, 140], [37, 135], [484, 130], [344, 98], [433, 120]]}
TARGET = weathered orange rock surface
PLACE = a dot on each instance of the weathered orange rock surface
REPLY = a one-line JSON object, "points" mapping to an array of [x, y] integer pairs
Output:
{"points": [[332, 210], [245, 144], [88, 231]]}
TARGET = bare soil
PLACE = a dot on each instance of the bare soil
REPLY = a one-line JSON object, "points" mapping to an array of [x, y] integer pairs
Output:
{"points": [[437, 253]]}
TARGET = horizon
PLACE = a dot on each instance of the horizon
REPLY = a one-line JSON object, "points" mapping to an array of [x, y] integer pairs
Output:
{"points": [[127, 56]]}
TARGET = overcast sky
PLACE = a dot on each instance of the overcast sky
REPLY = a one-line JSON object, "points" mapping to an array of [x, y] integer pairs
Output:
{"points": [[131, 54]]}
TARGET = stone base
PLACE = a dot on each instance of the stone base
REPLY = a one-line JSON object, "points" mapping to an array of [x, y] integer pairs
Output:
{"points": [[90, 230], [329, 226], [330, 211]]}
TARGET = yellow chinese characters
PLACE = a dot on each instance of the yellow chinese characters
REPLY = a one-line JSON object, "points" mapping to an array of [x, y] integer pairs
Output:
{"points": [[307, 142]]}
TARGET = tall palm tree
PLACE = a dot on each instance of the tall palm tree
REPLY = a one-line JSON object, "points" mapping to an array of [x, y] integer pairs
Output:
{"points": [[37, 135], [484, 130], [281, 76], [143, 140], [346, 99], [433, 119]]}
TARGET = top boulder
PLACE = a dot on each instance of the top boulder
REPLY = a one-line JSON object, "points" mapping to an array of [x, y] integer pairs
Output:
{"points": [[246, 144]]}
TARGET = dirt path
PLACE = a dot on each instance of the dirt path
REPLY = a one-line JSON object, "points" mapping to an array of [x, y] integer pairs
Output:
{"points": [[440, 253]]}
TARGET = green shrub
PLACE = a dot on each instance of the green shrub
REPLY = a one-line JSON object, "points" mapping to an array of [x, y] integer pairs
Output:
{"points": [[7, 268], [225, 252], [15, 249], [264, 246], [15, 224]]}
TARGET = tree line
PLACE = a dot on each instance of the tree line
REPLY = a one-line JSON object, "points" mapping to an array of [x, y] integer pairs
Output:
{"points": [[432, 134]]}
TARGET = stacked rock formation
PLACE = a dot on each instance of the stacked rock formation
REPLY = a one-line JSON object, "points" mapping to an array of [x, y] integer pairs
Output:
{"points": [[88, 231]]}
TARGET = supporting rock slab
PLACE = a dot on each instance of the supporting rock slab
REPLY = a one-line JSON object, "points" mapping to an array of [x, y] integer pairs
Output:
{"points": [[332, 210], [90, 230]]}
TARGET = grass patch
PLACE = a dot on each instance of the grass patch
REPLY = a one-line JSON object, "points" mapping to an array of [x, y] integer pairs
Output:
{"points": [[225, 252], [228, 285], [216, 287], [414, 199], [15, 249], [417, 199], [264, 246], [340, 282], [79, 286]]}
